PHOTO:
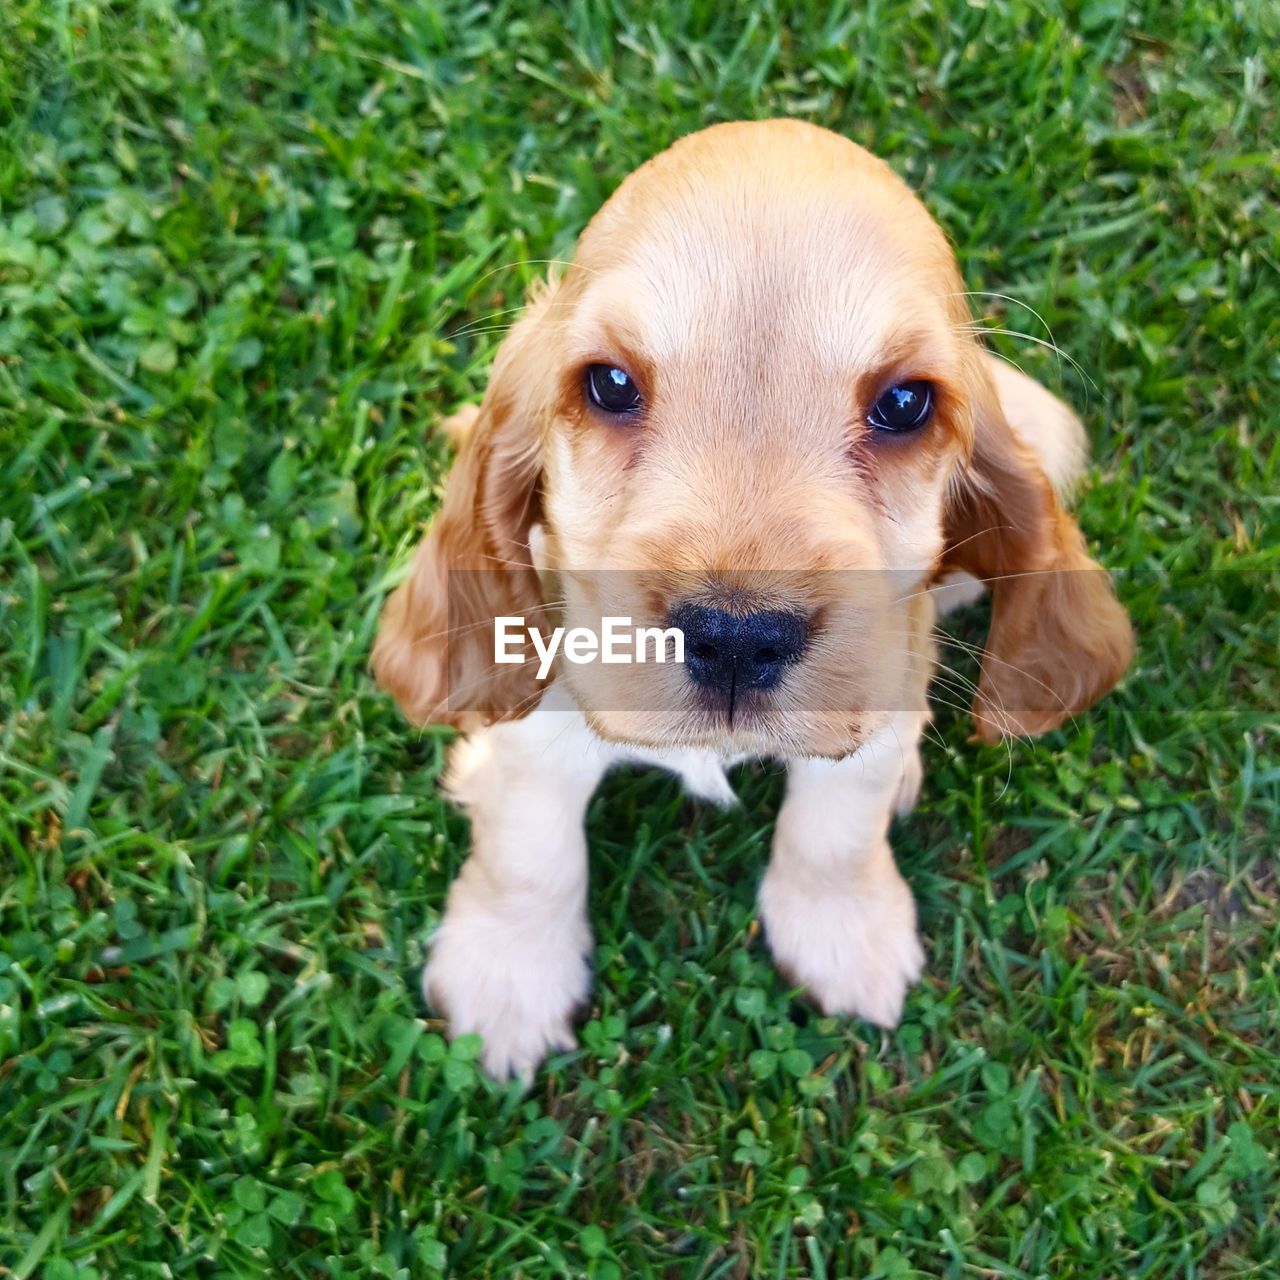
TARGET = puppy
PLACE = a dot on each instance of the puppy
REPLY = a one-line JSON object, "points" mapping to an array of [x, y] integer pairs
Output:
{"points": [[753, 411]]}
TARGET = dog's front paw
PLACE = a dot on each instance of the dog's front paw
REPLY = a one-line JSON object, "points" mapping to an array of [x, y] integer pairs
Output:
{"points": [[516, 990], [853, 951]]}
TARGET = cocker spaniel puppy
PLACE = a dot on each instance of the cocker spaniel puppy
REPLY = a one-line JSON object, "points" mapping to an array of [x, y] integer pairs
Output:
{"points": [[754, 415]]}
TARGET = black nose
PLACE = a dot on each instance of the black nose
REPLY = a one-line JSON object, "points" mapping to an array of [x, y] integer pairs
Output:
{"points": [[730, 653]]}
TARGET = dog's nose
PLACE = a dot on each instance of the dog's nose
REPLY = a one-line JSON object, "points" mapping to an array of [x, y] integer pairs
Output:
{"points": [[729, 652]]}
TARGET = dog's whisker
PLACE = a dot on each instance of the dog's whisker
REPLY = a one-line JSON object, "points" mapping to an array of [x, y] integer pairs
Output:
{"points": [[1061, 355], [465, 629]]}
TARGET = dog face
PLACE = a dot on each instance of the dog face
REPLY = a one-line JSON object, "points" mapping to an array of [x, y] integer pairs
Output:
{"points": [[753, 409]]}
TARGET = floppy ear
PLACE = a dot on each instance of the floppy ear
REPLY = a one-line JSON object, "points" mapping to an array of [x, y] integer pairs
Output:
{"points": [[1059, 638], [434, 652]]}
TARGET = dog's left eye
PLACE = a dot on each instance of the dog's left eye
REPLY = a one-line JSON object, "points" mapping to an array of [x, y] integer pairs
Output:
{"points": [[905, 406], [612, 389]]}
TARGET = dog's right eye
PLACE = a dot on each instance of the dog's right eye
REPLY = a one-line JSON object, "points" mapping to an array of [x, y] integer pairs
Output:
{"points": [[612, 389], [906, 406]]}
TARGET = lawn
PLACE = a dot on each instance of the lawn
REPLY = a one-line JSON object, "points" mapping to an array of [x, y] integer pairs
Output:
{"points": [[248, 252]]}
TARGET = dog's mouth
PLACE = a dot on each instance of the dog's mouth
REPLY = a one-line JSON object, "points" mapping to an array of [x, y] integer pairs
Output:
{"points": [[755, 723], [734, 707]]}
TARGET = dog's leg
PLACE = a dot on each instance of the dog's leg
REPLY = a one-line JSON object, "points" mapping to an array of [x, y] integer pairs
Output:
{"points": [[510, 959], [839, 918]]}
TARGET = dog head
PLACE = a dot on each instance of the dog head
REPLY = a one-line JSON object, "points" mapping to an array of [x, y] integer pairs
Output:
{"points": [[754, 409]]}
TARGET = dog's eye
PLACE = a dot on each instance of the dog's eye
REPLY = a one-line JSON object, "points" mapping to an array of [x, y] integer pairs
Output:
{"points": [[612, 389], [905, 406]]}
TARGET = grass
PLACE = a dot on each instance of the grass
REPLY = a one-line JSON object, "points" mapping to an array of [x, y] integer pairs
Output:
{"points": [[247, 253]]}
